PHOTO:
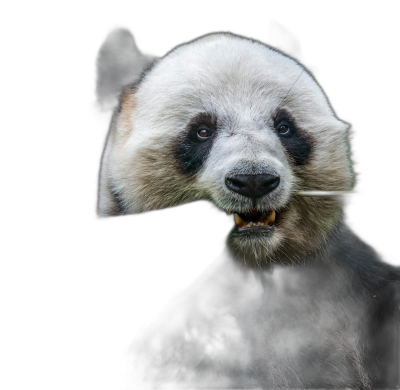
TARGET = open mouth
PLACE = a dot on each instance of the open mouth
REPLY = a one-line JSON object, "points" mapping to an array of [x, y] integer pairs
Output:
{"points": [[255, 219]]}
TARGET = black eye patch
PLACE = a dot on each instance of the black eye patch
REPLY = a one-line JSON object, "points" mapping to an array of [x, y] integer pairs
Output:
{"points": [[297, 143], [194, 145]]}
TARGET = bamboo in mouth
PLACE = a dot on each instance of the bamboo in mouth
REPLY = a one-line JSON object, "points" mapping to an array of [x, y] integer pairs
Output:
{"points": [[325, 193]]}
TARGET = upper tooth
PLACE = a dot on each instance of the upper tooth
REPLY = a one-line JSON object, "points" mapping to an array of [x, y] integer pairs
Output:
{"points": [[271, 218], [239, 221]]}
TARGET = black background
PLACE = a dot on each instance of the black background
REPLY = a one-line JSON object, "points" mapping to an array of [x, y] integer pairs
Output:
{"points": [[350, 52]]}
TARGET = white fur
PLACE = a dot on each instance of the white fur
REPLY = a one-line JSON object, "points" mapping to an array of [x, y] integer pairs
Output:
{"points": [[242, 83]]}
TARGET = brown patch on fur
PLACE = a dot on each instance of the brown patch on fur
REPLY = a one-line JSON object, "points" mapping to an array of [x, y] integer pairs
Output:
{"points": [[127, 106], [158, 181]]}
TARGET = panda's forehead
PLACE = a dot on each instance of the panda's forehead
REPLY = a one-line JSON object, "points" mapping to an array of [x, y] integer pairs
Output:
{"points": [[229, 76]]}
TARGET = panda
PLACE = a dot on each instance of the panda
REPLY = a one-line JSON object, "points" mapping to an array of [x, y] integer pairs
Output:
{"points": [[300, 301]]}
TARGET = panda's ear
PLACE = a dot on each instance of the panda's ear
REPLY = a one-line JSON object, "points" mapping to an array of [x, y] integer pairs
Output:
{"points": [[119, 63]]}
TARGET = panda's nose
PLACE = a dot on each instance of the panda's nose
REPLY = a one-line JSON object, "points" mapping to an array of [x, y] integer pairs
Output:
{"points": [[253, 186]]}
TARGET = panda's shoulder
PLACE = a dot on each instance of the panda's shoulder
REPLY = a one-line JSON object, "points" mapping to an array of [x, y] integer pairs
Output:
{"points": [[352, 266]]}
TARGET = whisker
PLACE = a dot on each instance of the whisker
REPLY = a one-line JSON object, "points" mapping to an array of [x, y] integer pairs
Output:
{"points": [[297, 96], [290, 89], [321, 193]]}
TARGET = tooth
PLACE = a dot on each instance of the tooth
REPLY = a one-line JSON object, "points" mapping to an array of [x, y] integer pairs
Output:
{"points": [[271, 219], [239, 221]]}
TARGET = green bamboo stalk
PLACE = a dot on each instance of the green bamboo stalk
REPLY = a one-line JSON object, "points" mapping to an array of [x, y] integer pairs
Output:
{"points": [[325, 193]]}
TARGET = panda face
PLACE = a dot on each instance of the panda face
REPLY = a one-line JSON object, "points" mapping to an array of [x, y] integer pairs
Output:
{"points": [[230, 120]]}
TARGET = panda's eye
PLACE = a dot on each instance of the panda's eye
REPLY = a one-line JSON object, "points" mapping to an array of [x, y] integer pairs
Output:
{"points": [[203, 133], [283, 129]]}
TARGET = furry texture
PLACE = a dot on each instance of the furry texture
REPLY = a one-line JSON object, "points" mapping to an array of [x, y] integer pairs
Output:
{"points": [[332, 322], [244, 85], [315, 323]]}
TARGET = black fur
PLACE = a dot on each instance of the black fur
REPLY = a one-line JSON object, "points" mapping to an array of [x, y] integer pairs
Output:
{"points": [[120, 64], [190, 151], [297, 144], [192, 322]]}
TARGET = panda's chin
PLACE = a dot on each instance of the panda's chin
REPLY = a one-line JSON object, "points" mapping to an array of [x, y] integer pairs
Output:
{"points": [[255, 229]]}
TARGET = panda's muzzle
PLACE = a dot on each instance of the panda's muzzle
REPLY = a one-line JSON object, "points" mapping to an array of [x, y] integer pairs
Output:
{"points": [[253, 186]]}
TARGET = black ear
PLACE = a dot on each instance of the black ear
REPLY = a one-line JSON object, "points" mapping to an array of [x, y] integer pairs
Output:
{"points": [[119, 63]]}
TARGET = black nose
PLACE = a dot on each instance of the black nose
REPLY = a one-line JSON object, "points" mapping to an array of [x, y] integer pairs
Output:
{"points": [[253, 186]]}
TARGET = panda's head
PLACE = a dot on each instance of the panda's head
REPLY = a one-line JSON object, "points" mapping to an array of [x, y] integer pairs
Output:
{"points": [[231, 120]]}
